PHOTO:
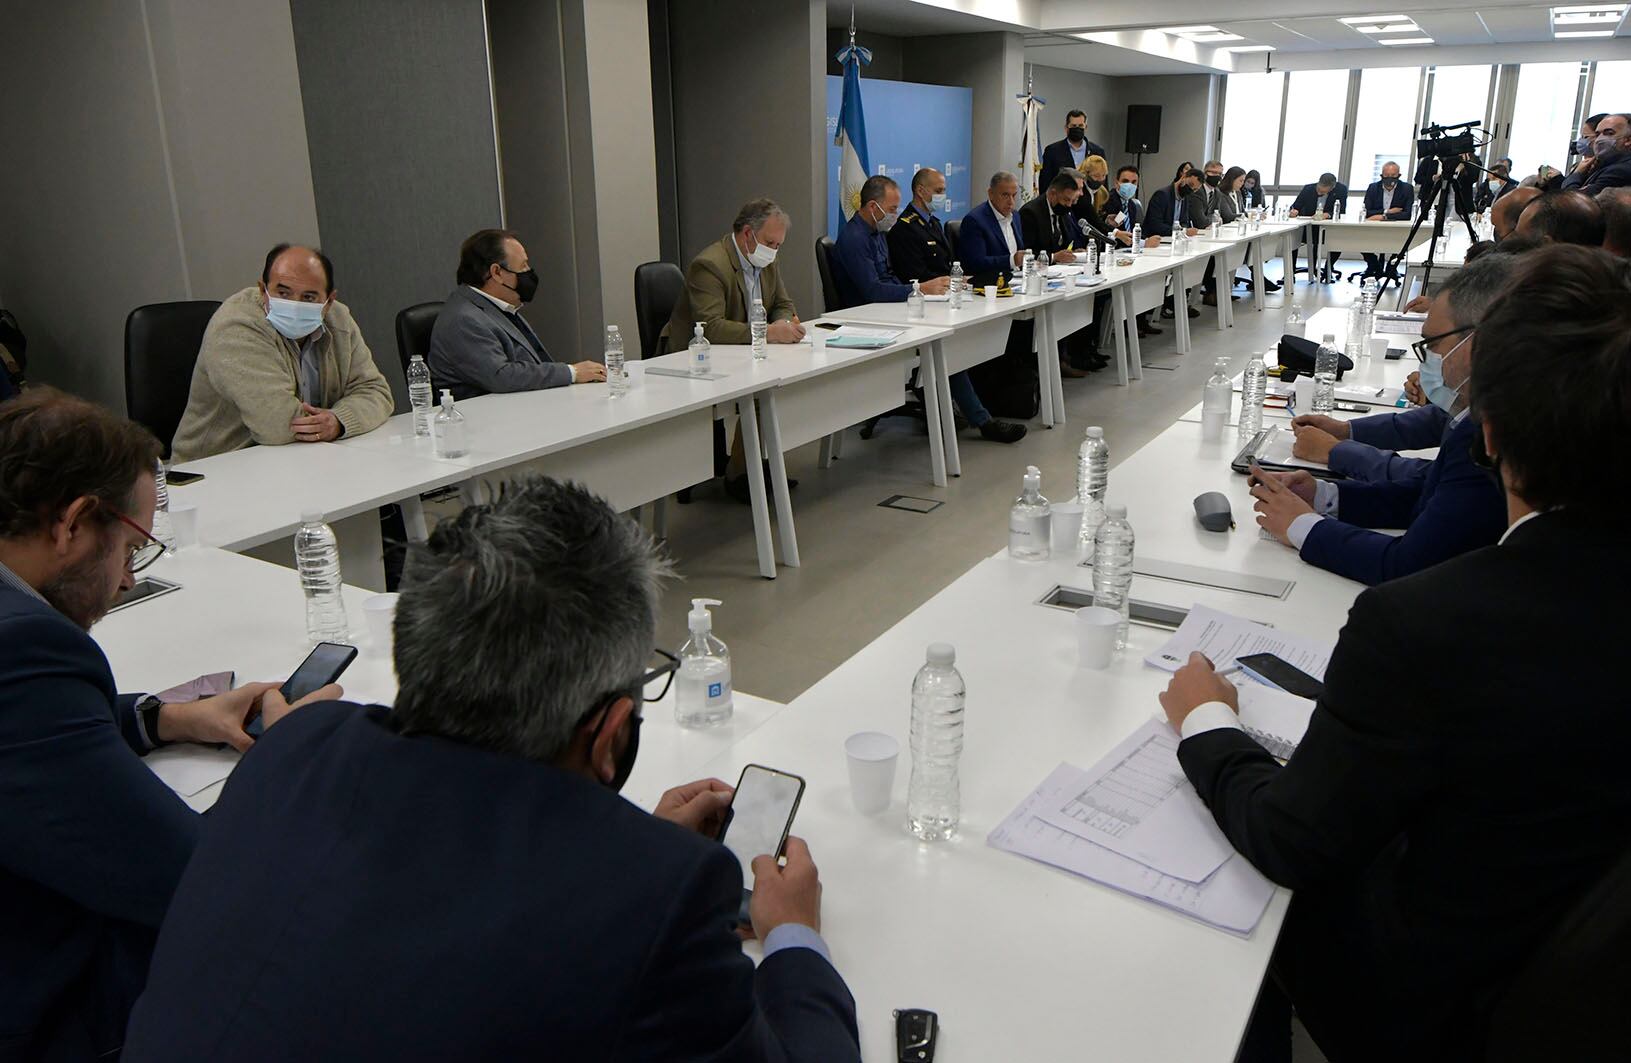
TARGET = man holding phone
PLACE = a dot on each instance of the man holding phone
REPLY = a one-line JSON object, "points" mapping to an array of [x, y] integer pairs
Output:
{"points": [[468, 848], [91, 842]]}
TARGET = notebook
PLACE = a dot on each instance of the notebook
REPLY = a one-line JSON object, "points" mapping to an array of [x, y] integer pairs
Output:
{"points": [[1276, 719]]}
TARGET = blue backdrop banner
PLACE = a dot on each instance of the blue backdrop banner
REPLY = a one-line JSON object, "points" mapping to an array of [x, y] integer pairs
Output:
{"points": [[908, 127]]}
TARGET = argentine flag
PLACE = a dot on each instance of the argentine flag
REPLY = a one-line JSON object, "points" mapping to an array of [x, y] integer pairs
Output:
{"points": [[853, 166]]}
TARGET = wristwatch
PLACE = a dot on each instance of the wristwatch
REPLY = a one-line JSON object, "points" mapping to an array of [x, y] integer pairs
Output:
{"points": [[916, 1031], [147, 715]]}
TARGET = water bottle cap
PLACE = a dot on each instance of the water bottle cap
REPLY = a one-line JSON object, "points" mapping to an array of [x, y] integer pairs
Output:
{"points": [[942, 653], [311, 516], [1033, 477], [1095, 432], [1117, 511], [1330, 338]]}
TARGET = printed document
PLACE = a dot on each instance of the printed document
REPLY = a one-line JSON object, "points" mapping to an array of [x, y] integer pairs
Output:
{"points": [[1223, 637]]}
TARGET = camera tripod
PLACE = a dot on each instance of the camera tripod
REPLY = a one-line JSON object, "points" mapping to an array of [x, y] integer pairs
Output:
{"points": [[1445, 197]]}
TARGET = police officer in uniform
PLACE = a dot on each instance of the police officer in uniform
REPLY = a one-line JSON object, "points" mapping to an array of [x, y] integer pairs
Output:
{"points": [[918, 249]]}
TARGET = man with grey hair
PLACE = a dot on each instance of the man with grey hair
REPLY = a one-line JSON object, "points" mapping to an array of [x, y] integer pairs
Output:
{"points": [[457, 878], [1447, 508]]}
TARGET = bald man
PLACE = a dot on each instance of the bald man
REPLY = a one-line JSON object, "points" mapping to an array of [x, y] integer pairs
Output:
{"points": [[1504, 214], [1564, 218], [283, 361]]}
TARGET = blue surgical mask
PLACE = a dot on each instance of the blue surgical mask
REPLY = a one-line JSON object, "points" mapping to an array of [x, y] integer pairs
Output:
{"points": [[294, 319], [937, 202], [1606, 146], [1433, 386], [1127, 189], [1582, 146]]}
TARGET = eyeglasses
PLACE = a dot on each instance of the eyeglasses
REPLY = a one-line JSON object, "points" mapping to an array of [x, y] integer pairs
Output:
{"points": [[662, 670], [144, 554], [1421, 346]]}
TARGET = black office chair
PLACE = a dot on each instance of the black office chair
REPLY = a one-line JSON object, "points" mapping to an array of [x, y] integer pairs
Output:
{"points": [[657, 287], [161, 348], [825, 249], [413, 329], [954, 229]]}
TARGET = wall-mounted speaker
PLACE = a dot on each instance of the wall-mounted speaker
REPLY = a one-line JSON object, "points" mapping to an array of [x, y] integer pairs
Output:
{"points": [[1143, 128]]}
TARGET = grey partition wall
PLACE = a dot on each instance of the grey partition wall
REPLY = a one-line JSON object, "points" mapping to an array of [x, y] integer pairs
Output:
{"points": [[399, 122]]}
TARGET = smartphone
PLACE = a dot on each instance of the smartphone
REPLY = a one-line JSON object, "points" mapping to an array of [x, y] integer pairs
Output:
{"points": [[1394, 353], [1278, 672], [322, 666], [759, 819], [1351, 407], [178, 477]]}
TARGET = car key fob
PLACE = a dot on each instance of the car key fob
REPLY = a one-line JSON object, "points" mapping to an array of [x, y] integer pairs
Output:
{"points": [[916, 1031]]}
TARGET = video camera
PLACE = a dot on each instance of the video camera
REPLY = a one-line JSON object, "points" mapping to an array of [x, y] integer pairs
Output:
{"points": [[1436, 144]]}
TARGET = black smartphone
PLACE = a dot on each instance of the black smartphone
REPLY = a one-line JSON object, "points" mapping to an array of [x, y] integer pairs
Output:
{"points": [[178, 477], [1395, 353], [1278, 672], [322, 666], [759, 819]]}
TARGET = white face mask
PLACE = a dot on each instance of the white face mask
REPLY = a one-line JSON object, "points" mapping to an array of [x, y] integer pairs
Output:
{"points": [[762, 256], [937, 202]]}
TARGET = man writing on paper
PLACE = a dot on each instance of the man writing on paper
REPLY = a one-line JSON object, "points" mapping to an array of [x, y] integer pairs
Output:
{"points": [[1457, 794], [1048, 224], [92, 844], [1452, 507]]}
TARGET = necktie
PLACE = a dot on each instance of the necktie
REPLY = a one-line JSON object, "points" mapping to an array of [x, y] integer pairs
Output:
{"points": [[526, 330]]}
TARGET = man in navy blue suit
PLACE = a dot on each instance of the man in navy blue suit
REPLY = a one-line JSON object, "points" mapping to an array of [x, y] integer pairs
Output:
{"points": [[990, 241], [1387, 199], [1323, 199], [457, 878], [1454, 507], [1070, 153], [91, 842]]}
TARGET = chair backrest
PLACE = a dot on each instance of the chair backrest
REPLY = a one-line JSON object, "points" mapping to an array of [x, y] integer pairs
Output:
{"points": [[657, 287], [413, 328], [824, 251], [161, 348], [954, 229]]}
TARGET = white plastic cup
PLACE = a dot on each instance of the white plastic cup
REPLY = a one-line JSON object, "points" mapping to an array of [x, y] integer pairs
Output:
{"points": [[184, 525], [380, 611], [1067, 528], [1303, 394], [1378, 346], [1096, 636], [872, 756], [817, 338], [990, 291]]}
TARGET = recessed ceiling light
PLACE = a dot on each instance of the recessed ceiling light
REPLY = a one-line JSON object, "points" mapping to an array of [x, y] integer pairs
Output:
{"points": [[1366, 20], [1249, 48], [1583, 33], [1213, 38], [1180, 31], [1579, 8], [1397, 27], [1405, 40], [1587, 18]]}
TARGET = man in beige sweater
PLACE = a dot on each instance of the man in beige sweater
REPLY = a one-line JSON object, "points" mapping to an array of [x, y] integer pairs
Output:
{"points": [[282, 362]]}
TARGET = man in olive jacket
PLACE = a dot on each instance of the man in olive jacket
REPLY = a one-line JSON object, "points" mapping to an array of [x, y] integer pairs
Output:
{"points": [[282, 362]]}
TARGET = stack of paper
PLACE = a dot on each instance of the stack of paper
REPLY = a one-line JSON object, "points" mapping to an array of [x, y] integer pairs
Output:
{"points": [[1223, 637], [864, 337], [1133, 822]]}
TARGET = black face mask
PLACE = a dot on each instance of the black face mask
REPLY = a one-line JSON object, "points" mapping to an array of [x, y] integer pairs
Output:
{"points": [[1389, 182], [1076, 135], [1214, 179], [526, 283], [625, 761], [1095, 185]]}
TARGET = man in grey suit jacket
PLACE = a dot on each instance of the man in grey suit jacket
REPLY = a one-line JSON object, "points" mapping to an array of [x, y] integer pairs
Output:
{"points": [[481, 344]]}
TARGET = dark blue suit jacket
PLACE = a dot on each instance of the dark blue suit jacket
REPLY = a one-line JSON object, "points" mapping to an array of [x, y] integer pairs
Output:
{"points": [[1404, 197], [1158, 217], [861, 266], [1309, 201], [980, 244], [1057, 156], [1130, 207], [1616, 174], [363, 895], [1368, 454], [92, 844], [1456, 508]]}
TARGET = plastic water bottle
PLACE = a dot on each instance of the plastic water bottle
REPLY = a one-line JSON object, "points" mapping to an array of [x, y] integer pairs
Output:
{"points": [[1254, 387], [759, 329], [317, 558], [914, 310], [956, 285], [1113, 567], [702, 689], [163, 530], [933, 798], [420, 396], [1216, 399], [448, 428], [1093, 258], [1030, 521], [1326, 361], [617, 373], [1367, 305], [1295, 325], [701, 352], [1092, 479], [1138, 239], [1217, 225]]}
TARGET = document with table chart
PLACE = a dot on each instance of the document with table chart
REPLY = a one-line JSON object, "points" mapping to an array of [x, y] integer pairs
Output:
{"points": [[1233, 898], [1223, 637], [1137, 802]]}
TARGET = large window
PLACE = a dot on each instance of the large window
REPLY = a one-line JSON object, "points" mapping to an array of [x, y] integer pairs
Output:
{"points": [[1251, 122], [1543, 116], [1611, 92], [1384, 125], [1313, 130], [1460, 94]]}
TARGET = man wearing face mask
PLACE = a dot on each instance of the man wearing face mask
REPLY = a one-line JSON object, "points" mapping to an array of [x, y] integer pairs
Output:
{"points": [[1450, 508], [468, 848], [1049, 224], [1609, 165], [1070, 153], [1169, 212], [282, 362], [918, 248], [481, 344], [92, 843], [1387, 199], [1497, 183]]}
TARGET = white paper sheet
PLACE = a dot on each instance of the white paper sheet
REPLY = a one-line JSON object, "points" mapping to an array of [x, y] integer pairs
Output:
{"points": [[1398, 324], [1233, 899], [1276, 450], [1223, 637], [866, 332], [1276, 719]]}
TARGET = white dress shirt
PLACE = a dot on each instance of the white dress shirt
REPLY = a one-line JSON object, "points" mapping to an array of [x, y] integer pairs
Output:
{"points": [[1005, 222]]}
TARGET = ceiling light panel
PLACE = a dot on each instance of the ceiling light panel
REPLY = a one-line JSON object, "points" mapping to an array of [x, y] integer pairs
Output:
{"points": [[1405, 40], [1576, 34], [1367, 20]]}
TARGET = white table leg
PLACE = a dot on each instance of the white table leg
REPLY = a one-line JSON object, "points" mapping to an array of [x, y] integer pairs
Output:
{"points": [[1041, 346], [413, 519], [748, 418], [948, 414], [1219, 296], [1056, 378], [929, 379], [1135, 357], [1120, 322], [470, 491], [838, 444], [825, 460], [1180, 321], [659, 517], [1257, 272], [778, 480]]}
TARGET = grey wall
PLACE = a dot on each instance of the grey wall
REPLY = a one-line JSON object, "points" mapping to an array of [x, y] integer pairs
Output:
{"points": [[992, 64], [148, 164], [1095, 94], [888, 54], [744, 129], [399, 122], [1188, 106]]}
